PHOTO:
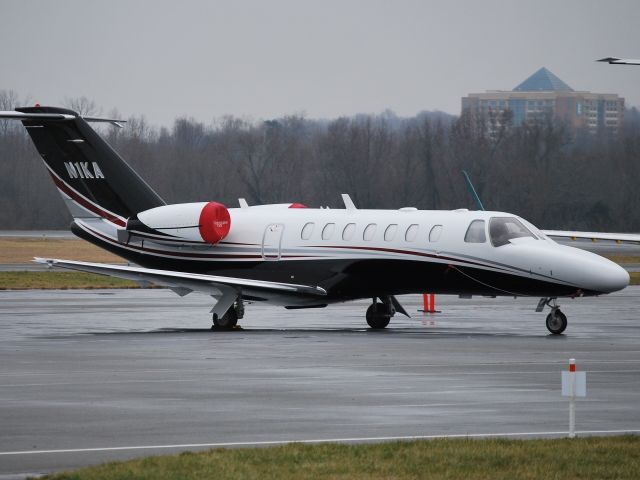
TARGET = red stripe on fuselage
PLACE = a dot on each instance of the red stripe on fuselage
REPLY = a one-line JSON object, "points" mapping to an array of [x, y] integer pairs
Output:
{"points": [[189, 255], [409, 252], [196, 256], [85, 203]]}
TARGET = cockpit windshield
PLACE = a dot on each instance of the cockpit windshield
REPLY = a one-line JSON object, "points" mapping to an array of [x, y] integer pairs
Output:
{"points": [[503, 229]]}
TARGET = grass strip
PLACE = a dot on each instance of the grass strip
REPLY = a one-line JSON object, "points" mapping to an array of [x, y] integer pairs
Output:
{"points": [[22, 250], [622, 259], [60, 280], [582, 458], [635, 278]]}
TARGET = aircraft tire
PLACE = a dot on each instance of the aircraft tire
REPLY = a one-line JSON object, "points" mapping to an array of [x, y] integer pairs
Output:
{"points": [[227, 321], [378, 315], [556, 322]]}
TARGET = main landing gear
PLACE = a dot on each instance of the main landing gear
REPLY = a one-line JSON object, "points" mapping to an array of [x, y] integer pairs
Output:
{"points": [[230, 318], [379, 313], [556, 320]]}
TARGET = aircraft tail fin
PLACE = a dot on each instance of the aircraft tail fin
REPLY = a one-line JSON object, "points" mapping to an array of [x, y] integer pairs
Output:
{"points": [[94, 181]]}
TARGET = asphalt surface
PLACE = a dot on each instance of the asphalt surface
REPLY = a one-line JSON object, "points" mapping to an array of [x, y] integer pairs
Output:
{"points": [[112, 371], [37, 233]]}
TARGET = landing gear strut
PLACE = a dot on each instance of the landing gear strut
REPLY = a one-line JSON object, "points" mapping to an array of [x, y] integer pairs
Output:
{"points": [[556, 320], [226, 322], [230, 318]]}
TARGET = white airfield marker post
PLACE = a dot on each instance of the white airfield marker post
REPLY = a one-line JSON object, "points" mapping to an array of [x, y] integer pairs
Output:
{"points": [[574, 384]]}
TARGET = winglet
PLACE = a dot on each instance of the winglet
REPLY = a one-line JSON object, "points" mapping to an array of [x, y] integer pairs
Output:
{"points": [[47, 261]]}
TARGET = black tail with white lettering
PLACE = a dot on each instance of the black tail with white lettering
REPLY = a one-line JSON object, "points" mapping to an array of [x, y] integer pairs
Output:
{"points": [[92, 178]]}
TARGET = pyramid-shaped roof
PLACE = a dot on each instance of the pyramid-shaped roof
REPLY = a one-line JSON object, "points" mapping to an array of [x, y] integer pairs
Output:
{"points": [[543, 81]]}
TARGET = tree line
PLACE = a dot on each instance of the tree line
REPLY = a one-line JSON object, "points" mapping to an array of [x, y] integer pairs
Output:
{"points": [[545, 172]]}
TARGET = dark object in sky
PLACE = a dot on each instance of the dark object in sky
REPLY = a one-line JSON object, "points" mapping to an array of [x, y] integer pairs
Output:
{"points": [[619, 61]]}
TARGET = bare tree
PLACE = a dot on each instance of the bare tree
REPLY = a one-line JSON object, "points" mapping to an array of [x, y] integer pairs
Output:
{"points": [[83, 106], [539, 169]]}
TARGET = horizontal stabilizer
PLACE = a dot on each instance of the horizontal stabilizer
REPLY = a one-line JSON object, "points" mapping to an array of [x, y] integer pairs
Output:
{"points": [[13, 115]]}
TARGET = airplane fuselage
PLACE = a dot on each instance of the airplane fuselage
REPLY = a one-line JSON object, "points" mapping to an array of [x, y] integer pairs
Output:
{"points": [[354, 253]]}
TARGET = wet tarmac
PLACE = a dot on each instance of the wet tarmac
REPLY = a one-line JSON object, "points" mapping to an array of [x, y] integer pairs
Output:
{"points": [[91, 376], [37, 233]]}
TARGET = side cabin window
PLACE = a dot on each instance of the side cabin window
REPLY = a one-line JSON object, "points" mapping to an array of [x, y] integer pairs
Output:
{"points": [[475, 232], [327, 231], [435, 233], [503, 229], [390, 232], [369, 232], [349, 230], [307, 230], [411, 233]]}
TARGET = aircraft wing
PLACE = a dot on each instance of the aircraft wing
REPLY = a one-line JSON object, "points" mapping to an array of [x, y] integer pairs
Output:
{"points": [[183, 283], [620, 61], [631, 238]]}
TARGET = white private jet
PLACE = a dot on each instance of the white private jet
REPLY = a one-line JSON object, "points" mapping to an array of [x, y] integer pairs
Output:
{"points": [[298, 257]]}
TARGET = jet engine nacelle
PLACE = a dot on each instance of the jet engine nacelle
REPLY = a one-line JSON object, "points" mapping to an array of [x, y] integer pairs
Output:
{"points": [[197, 222]]}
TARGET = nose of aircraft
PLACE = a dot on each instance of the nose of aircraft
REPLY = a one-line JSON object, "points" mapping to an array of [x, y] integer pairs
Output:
{"points": [[597, 273], [611, 277]]}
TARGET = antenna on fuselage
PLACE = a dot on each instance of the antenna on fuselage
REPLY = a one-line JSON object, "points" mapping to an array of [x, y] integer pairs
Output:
{"points": [[472, 190], [348, 203]]}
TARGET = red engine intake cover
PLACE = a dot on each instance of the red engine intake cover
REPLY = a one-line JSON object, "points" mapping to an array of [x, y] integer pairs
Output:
{"points": [[214, 223]]}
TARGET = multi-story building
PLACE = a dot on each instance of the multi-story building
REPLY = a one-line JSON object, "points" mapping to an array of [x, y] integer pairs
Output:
{"points": [[542, 94]]}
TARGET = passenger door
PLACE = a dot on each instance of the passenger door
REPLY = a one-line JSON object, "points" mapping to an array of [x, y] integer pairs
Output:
{"points": [[272, 241]]}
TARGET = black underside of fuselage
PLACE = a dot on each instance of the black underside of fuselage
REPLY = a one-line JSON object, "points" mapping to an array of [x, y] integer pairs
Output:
{"points": [[347, 279]]}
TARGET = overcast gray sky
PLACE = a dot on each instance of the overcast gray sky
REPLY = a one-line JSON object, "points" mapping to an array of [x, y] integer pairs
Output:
{"points": [[326, 58]]}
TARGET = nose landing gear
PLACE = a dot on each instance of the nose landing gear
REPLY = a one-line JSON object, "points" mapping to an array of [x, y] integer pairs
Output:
{"points": [[556, 320]]}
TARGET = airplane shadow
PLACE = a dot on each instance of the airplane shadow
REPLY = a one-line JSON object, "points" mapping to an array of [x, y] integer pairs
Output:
{"points": [[439, 333]]}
